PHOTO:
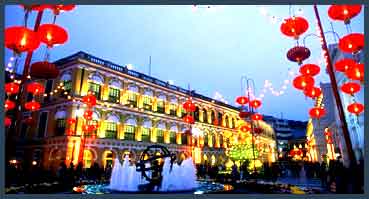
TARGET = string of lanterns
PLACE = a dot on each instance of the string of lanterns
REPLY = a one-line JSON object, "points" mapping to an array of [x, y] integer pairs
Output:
{"points": [[351, 43], [21, 39]]}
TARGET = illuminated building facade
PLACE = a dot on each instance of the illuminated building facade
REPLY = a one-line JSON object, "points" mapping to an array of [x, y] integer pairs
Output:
{"points": [[133, 111]]}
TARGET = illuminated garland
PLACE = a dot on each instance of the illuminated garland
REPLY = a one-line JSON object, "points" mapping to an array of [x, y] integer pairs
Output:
{"points": [[242, 152]]}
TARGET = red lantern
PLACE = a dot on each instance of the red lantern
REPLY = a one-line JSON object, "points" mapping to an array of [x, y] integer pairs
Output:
{"points": [[60, 8], [255, 103], [7, 121], [313, 92], [256, 117], [242, 100], [317, 112], [189, 106], [355, 108], [44, 70], [9, 105], [294, 27], [89, 100], [344, 64], [245, 128], [350, 88], [343, 12], [88, 114], [328, 133], [356, 72], [298, 54], [188, 119], [71, 121], [51, 34], [351, 43], [11, 88], [35, 88], [303, 81], [32, 106], [21, 39], [309, 69]]}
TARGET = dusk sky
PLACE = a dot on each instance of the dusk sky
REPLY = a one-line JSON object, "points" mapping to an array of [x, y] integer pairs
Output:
{"points": [[208, 48]]}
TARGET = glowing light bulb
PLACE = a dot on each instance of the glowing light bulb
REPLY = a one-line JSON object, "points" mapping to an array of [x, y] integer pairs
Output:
{"points": [[350, 46], [345, 12], [12, 58], [23, 41], [48, 36]]}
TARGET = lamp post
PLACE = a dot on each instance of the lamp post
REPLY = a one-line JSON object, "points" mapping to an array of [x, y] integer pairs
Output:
{"points": [[251, 110]]}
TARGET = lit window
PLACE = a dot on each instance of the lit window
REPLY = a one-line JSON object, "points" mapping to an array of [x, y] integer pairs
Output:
{"points": [[110, 130], [160, 106], [114, 95], [132, 98], [160, 136], [184, 139], [129, 132], [172, 135], [95, 89], [206, 140], [60, 127], [147, 102], [173, 109], [145, 136]]}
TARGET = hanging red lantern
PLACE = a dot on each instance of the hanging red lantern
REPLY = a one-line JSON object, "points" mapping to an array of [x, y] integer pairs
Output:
{"points": [[309, 69], [327, 133], [188, 119], [35, 88], [21, 39], [52, 34], [351, 43], [7, 121], [11, 88], [294, 27], [298, 54], [313, 92], [343, 12], [255, 103], [32, 106], [189, 106], [44, 70], [355, 108], [303, 81], [344, 64], [242, 100], [89, 100], [245, 128], [317, 112], [71, 121], [61, 8], [88, 114], [256, 117], [9, 105], [350, 88], [356, 72]]}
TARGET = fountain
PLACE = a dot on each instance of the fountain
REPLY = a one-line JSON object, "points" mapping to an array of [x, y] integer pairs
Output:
{"points": [[150, 176]]}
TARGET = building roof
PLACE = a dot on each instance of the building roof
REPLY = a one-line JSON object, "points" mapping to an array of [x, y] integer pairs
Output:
{"points": [[125, 70]]}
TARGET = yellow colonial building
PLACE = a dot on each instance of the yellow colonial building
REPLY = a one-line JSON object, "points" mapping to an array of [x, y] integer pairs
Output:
{"points": [[133, 111]]}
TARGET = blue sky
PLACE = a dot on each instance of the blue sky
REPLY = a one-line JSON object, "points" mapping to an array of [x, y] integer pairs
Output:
{"points": [[209, 48]]}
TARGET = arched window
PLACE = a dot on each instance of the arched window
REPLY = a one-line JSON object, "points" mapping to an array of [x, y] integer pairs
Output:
{"points": [[111, 127], [147, 99], [233, 123], [213, 139], [213, 118], [184, 139], [114, 90], [172, 134], [108, 159], [206, 139], [146, 131], [219, 119], [173, 106], [94, 85], [132, 95], [160, 105], [160, 132], [221, 140], [130, 129], [226, 121], [60, 122], [205, 115]]}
